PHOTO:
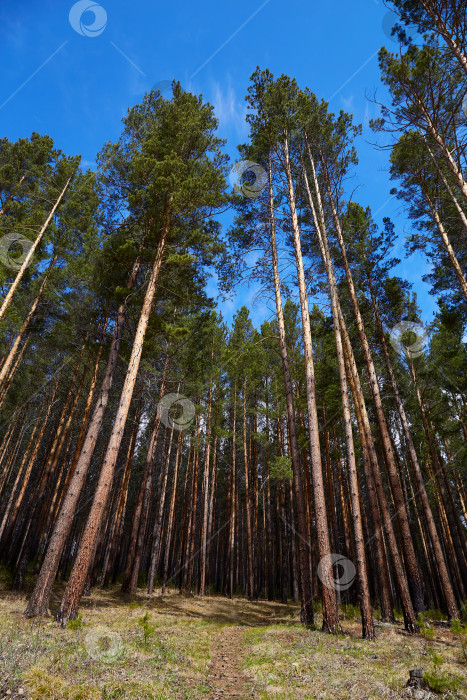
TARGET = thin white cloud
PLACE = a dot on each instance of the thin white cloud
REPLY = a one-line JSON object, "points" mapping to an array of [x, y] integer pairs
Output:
{"points": [[348, 103], [91, 164], [229, 109]]}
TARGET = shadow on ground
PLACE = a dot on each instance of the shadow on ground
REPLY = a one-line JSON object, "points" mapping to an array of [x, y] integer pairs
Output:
{"points": [[215, 609]]}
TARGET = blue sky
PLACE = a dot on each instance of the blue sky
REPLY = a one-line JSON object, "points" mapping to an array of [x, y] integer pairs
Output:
{"points": [[77, 88]]}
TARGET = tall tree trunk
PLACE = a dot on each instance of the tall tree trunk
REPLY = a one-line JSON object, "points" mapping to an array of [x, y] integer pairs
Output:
{"points": [[170, 524], [157, 530], [184, 524], [116, 528], [330, 609], [384, 590], [9, 359], [204, 525], [413, 572], [9, 297], [84, 422], [307, 613], [285, 536], [445, 238], [13, 370], [368, 630], [446, 184], [400, 577], [39, 601], [140, 515], [190, 562], [421, 490], [19, 476], [232, 523], [331, 500], [38, 497], [210, 536], [87, 548], [270, 541], [457, 534], [32, 459], [293, 548], [452, 41], [249, 533]]}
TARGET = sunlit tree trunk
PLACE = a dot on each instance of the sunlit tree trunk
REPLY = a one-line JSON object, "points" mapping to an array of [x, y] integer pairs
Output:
{"points": [[232, 523], [249, 534], [30, 464], [413, 572], [399, 573], [330, 610], [39, 601], [116, 528], [307, 614], [86, 551], [362, 577], [443, 233], [9, 297], [12, 373], [141, 512], [38, 496], [421, 490], [9, 359], [443, 29], [384, 590], [456, 530], [206, 483]]}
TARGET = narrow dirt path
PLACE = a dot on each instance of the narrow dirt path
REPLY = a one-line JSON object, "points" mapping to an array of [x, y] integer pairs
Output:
{"points": [[225, 673]]}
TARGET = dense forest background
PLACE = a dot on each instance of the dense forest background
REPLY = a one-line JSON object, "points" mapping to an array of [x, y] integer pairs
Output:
{"points": [[321, 457]]}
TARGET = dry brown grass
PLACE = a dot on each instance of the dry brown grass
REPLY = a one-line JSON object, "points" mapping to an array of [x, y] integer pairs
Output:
{"points": [[297, 663], [39, 659], [105, 654]]}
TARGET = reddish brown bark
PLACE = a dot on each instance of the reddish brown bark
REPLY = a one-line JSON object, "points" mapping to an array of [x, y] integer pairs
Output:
{"points": [[421, 490], [89, 541], [413, 572], [307, 614], [330, 609], [38, 603]]}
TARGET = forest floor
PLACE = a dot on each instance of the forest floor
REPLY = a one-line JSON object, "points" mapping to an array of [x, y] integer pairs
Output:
{"points": [[177, 647]]}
